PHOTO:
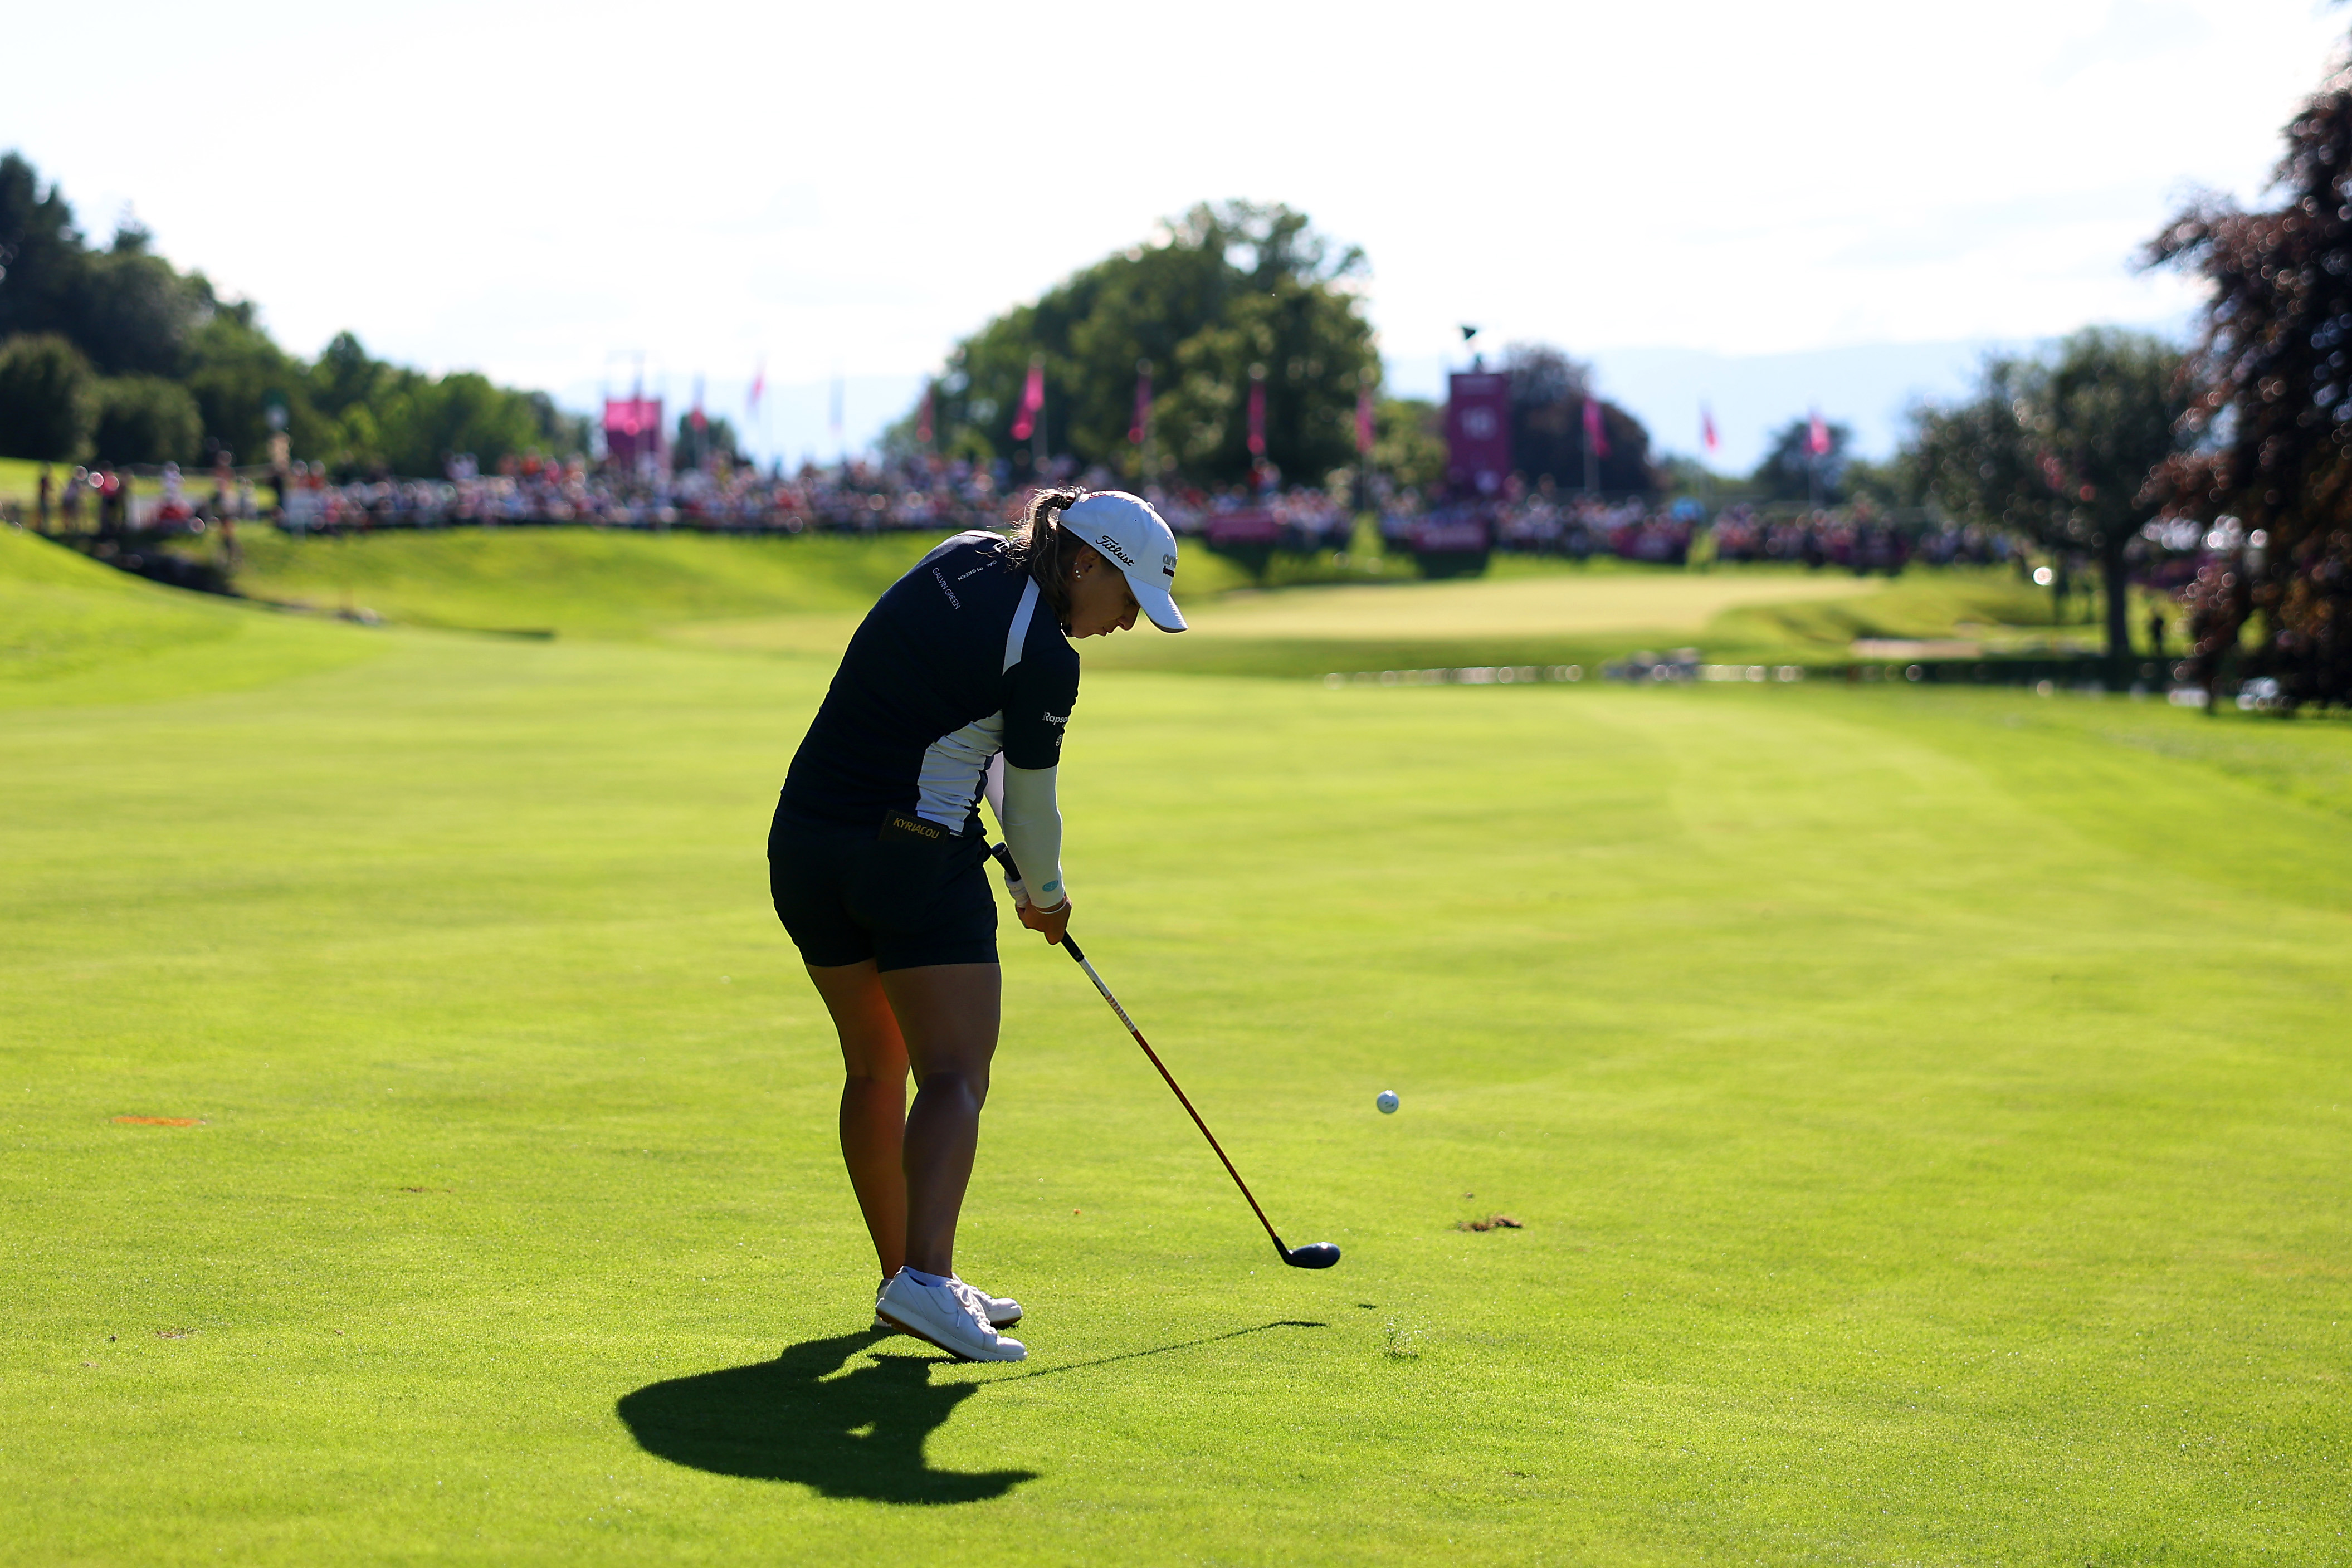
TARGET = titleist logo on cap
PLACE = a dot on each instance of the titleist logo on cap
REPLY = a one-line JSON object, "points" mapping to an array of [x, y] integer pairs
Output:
{"points": [[1110, 546]]}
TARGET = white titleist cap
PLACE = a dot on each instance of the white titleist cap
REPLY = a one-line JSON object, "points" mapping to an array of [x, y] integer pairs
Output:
{"points": [[1132, 538]]}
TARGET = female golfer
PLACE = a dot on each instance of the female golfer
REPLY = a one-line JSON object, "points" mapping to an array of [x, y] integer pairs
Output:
{"points": [[956, 685]]}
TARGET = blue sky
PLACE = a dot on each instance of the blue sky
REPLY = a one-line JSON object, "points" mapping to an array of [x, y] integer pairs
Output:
{"points": [[1821, 203]]}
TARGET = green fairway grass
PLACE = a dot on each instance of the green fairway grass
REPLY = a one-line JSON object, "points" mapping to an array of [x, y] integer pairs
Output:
{"points": [[74, 631], [802, 596], [1609, 600], [1925, 1110], [577, 582]]}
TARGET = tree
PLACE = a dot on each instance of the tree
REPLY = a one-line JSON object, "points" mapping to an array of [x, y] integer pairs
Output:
{"points": [[235, 372], [2271, 424], [132, 313], [345, 375], [2061, 449], [1793, 471], [1408, 442], [146, 325], [1897, 482], [48, 399], [716, 438], [1220, 292], [126, 308], [147, 418], [413, 424], [1549, 391], [40, 251], [1678, 474]]}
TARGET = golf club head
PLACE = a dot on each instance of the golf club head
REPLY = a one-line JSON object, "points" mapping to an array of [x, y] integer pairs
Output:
{"points": [[1314, 1255]]}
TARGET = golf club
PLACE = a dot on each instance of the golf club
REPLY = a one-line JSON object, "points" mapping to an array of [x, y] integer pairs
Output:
{"points": [[1315, 1254]]}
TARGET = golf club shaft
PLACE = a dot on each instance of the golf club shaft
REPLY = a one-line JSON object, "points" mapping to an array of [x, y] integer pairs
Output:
{"points": [[1078, 956]]}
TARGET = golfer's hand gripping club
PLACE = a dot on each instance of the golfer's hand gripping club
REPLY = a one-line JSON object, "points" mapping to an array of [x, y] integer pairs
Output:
{"points": [[1315, 1254]]}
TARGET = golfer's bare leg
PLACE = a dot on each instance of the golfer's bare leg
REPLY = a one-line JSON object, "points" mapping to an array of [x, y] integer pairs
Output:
{"points": [[873, 1101], [947, 1014]]}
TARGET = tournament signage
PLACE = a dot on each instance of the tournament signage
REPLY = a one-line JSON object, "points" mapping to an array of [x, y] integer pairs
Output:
{"points": [[634, 436], [1477, 433]]}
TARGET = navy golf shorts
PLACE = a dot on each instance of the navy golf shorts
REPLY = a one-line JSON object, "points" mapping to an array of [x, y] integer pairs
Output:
{"points": [[906, 894]]}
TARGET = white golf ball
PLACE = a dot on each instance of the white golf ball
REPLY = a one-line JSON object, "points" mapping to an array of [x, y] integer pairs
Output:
{"points": [[1388, 1101]]}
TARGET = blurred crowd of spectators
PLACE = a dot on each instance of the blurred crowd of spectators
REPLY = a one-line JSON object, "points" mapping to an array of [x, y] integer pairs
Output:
{"points": [[106, 499], [934, 494], [1858, 541], [851, 496], [858, 497], [1542, 521]]}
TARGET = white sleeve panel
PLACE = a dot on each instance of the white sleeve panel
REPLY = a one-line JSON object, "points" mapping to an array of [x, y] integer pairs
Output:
{"points": [[1032, 822]]}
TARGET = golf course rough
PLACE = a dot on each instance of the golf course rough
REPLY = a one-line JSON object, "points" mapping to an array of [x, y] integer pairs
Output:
{"points": [[1927, 1113]]}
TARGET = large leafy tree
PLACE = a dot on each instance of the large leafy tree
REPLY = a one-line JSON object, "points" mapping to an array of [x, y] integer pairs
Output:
{"points": [[130, 311], [48, 399], [2273, 416], [715, 437], [1548, 391], [1219, 294], [147, 418], [40, 251], [373, 417], [235, 372], [1792, 471], [1408, 442], [2060, 449]]}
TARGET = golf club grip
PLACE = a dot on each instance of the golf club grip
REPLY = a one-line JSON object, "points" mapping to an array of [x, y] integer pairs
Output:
{"points": [[1003, 857]]}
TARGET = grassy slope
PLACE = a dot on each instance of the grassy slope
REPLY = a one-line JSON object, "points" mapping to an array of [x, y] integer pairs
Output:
{"points": [[803, 596], [72, 631], [1925, 1109], [576, 581]]}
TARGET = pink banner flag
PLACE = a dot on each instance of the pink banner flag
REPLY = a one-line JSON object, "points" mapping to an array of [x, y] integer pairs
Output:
{"points": [[923, 419], [1364, 422], [696, 417], [1033, 399], [1257, 416], [1706, 435], [758, 387], [1595, 437], [1142, 425], [1817, 435]]}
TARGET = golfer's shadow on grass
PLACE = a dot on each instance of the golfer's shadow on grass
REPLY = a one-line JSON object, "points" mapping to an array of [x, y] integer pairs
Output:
{"points": [[858, 1435]]}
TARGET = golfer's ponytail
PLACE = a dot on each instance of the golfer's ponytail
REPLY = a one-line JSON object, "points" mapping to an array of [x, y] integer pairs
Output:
{"points": [[1045, 549]]}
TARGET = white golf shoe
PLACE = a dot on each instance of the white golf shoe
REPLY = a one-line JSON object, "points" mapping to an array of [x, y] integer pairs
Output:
{"points": [[947, 1318], [1002, 1312]]}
